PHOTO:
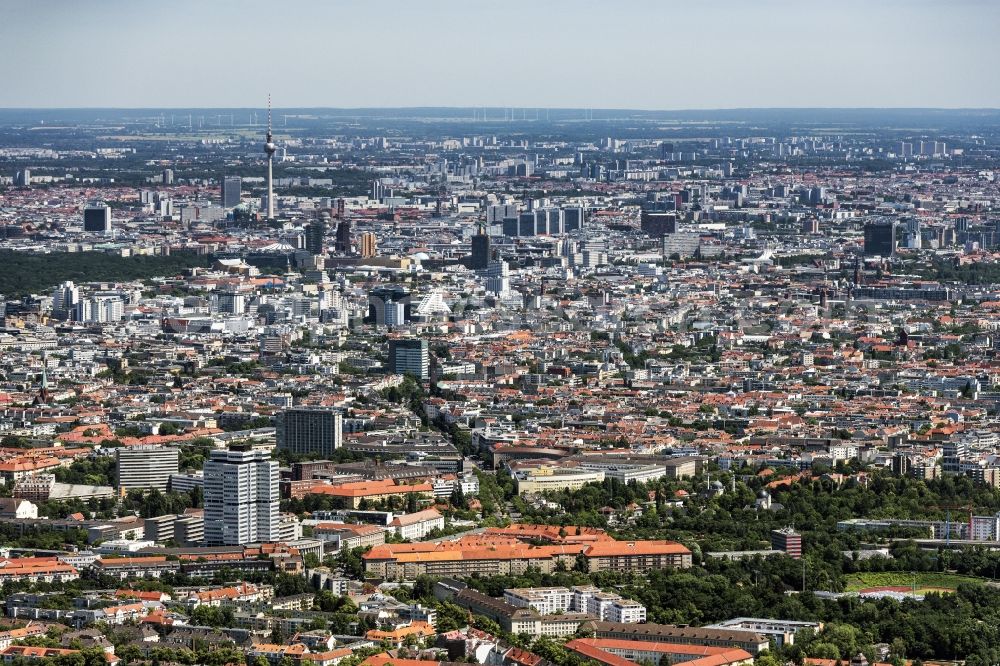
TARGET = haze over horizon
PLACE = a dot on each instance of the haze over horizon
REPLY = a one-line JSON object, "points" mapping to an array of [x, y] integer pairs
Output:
{"points": [[638, 54]]}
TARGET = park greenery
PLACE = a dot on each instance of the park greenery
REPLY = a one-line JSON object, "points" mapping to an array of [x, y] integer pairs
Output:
{"points": [[23, 273]]}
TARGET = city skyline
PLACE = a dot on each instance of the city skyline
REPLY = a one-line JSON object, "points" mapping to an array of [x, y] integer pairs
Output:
{"points": [[775, 54]]}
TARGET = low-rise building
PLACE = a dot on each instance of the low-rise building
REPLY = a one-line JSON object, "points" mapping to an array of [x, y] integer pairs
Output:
{"points": [[750, 641], [349, 535], [545, 600], [36, 570], [617, 652], [136, 567], [544, 478], [12, 507], [412, 526], [781, 632]]}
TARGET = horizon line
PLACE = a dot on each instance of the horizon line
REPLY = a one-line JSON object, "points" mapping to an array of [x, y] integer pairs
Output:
{"points": [[504, 107]]}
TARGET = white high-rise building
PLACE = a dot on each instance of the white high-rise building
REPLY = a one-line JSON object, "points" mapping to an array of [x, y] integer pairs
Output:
{"points": [[106, 308], [395, 314], [66, 302], [241, 497], [499, 286], [145, 467], [231, 302], [497, 278]]}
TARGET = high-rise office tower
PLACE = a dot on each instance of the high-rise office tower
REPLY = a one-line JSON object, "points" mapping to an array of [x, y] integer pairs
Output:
{"points": [[880, 239], [367, 245], [480, 250], [232, 188], [378, 298], [574, 218], [497, 280], [498, 213], [378, 190], [315, 234], [269, 150], [395, 314], [311, 431], [658, 225], [914, 239], [343, 243], [409, 356], [66, 302], [168, 177], [241, 497], [23, 178], [97, 218], [145, 467], [231, 302]]}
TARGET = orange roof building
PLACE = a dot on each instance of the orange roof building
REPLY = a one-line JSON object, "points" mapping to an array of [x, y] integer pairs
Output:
{"points": [[497, 554]]}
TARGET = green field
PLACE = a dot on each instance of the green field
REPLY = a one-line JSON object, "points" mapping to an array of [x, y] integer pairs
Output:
{"points": [[924, 582]]}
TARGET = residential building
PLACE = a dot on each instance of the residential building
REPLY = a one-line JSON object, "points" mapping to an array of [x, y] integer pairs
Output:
{"points": [[615, 652], [490, 558], [750, 641], [145, 467], [788, 540], [13, 507], [232, 190], [241, 497], [349, 535], [309, 431], [412, 526], [545, 600]]}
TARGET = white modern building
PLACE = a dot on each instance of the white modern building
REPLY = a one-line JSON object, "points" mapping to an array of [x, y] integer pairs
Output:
{"points": [[603, 606], [241, 497], [417, 525], [626, 611], [545, 600], [445, 486], [106, 308]]}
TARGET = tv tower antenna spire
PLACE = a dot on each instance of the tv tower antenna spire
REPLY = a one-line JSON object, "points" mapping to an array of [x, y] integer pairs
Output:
{"points": [[269, 149]]}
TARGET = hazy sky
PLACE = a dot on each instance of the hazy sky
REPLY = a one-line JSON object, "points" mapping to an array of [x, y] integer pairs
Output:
{"points": [[643, 54]]}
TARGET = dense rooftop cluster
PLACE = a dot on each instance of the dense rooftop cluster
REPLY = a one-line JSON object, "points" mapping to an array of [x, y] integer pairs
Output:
{"points": [[531, 393]]}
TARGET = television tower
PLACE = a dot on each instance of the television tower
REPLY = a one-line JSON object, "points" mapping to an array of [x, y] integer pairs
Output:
{"points": [[269, 149]]}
